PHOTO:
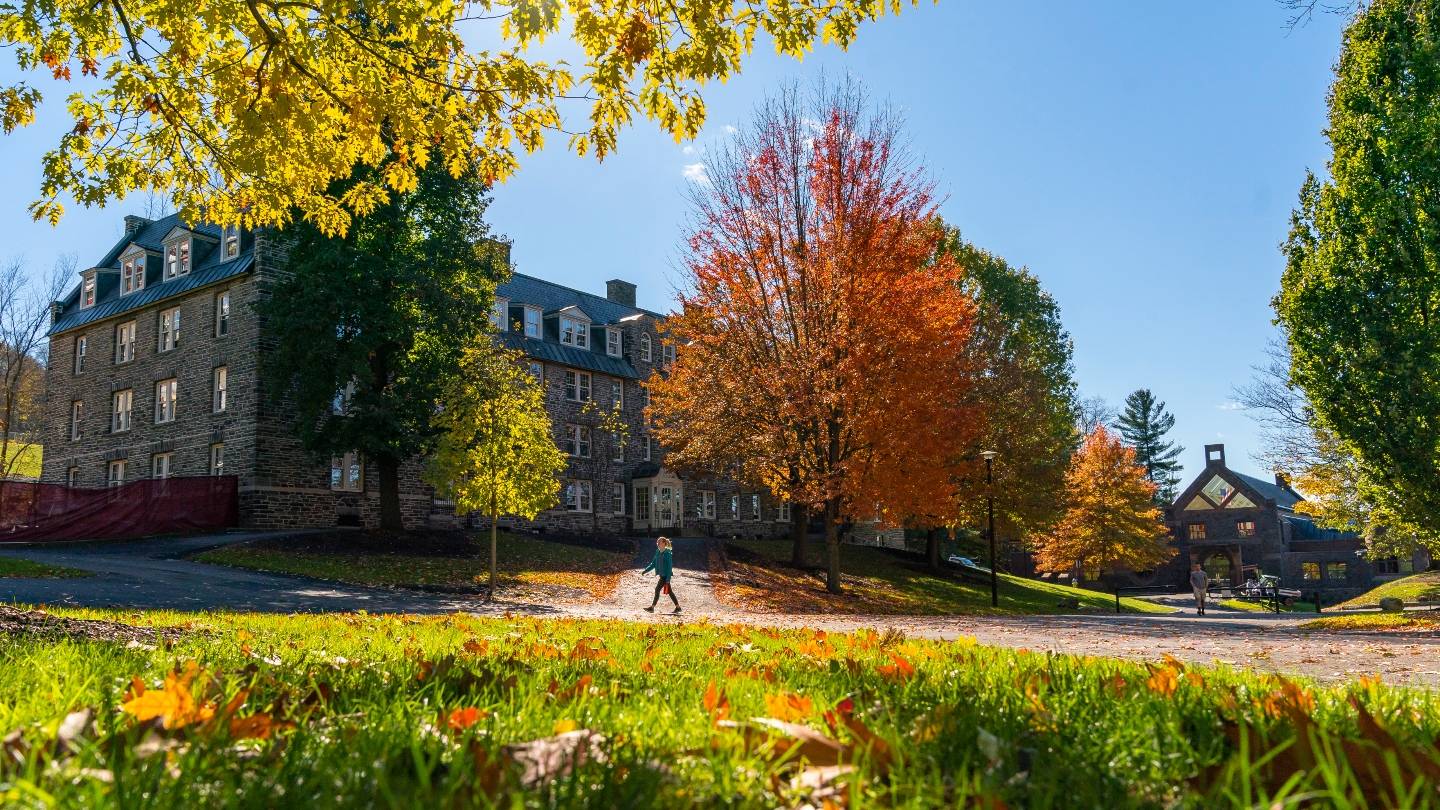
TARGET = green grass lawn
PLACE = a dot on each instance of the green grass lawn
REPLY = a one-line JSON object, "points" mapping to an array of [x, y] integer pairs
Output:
{"points": [[1379, 622], [1264, 607], [459, 711], [521, 558], [16, 567], [879, 582], [1410, 589]]}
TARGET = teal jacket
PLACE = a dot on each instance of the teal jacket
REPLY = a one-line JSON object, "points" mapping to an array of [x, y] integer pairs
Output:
{"points": [[662, 564]]}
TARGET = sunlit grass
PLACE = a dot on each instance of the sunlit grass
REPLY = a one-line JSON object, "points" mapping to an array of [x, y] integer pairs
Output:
{"points": [[1377, 621], [16, 567], [1409, 589], [362, 711], [878, 582]]}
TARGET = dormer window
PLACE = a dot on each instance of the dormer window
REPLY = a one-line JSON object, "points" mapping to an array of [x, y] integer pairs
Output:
{"points": [[230, 242], [612, 342], [87, 290], [500, 315], [132, 273], [177, 259], [532, 322], [574, 333]]}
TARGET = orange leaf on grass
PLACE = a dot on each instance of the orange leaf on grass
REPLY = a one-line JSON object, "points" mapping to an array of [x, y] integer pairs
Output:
{"points": [[788, 707], [898, 670], [174, 704], [715, 702], [461, 719]]}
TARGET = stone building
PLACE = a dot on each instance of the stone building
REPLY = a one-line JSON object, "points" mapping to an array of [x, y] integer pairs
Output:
{"points": [[1238, 526], [154, 372]]}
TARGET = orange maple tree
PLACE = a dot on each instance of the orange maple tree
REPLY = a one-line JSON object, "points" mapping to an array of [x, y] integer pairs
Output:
{"points": [[823, 331], [1110, 515]]}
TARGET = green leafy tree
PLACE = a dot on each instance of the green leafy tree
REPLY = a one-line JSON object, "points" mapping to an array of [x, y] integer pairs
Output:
{"points": [[1026, 391], [369, 329], [250, 110], [1360, 295], [496, 452], [1143, 425]]}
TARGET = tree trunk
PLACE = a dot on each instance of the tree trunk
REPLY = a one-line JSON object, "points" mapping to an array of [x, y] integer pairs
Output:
{"points": [[832, 545], [799, 533], [390, 518], [494, 523], [932, 547]]}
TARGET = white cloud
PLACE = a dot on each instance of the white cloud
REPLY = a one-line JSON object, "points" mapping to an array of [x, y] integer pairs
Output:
{"points": [[695, 173], [1230, 405], [688, 150], [730, 130]]}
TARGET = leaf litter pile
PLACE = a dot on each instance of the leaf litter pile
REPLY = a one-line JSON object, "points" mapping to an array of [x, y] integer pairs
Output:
{"points": [[459, 711]]}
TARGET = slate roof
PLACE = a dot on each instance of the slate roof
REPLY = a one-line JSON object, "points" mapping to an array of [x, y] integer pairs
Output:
{"points": [[548, 352], [549, 296], [1283, 497], [1305, 529], [205, 270]]}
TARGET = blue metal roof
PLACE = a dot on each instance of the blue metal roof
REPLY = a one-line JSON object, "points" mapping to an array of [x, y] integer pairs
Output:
{"points": [[549, 296], [1283, 497], [1306, 529], [561, 354], [109, 308]]}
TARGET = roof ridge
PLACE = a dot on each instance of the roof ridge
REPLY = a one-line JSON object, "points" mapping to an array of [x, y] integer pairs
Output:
{"points": [[578, 291]]}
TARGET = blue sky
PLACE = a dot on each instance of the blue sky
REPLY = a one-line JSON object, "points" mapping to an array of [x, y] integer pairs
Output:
{"points": [[1141, 159]]}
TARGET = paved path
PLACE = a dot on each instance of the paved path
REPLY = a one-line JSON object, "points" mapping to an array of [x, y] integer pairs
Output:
{"points": [[148, 574]]}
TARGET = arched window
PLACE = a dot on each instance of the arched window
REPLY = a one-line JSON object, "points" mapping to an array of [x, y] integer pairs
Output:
{"points": [[645, 347]]}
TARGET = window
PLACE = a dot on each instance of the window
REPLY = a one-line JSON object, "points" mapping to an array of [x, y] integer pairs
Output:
{"points": [[1310, 571], [617, 394], [217, 458], [217, 389], [80, 345], [642, 503], [160, 465], [618, 495], [782, 512], [77, 414], [612, 342], [72, 477], [165, 392], [1245, 528], [230, 243], [734, 507], [705, 510], [754, 507], [574, 333], [500, 314], [644, 347], [177, 259], [341, 403], [577, 386], [169, 329], [577, 441], [532, 322], [1336, 571], [577, 496], [123, 402], [222, 314], [345, 473], [1197, 531], [618, 440], [125, 342], [1395, 565], [538, 372], [647, 447], [645, 392], [87, 291], [667, 352], [132, 274], [116, 475]]}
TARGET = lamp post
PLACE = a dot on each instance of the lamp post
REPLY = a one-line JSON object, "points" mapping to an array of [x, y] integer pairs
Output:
{"points": [[989, 456]]}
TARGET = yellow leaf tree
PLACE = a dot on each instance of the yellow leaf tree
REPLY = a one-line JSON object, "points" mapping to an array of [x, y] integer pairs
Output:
{"points": [[248, 110], [496, 452], [1111, 520]]}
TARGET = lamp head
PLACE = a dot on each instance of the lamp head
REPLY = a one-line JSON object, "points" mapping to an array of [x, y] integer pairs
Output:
{"points": [[988, 455]]}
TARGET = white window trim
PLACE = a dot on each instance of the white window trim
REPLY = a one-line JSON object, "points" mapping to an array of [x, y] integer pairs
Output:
{"points": [[533, 317], [500, 315], [122, 420], [82, 348], [614, 342], [617, 496], [222, 313], [89, 286], [577, 441], [579, 495], [181, 266], [617, 393], [72, 476], [647, 446], [156, 460], [125, 349], [344, 463], [579, 334], [220, 389], [172, 388], [707, 504], [226, 235], [173, 332], [217, 458], [757, 509], [587, 389], [110, 478], [77, 419], [645, 346], [128, 272]]}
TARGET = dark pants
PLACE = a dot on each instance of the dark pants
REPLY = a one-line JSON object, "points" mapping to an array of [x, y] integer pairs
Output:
{"points": [[660, 586]]}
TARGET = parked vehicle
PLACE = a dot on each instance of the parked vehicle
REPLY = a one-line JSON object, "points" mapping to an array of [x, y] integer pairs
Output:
{"points": [[966, 562]]}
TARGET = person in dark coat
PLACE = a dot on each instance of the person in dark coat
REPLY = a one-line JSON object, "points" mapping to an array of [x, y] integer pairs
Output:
{"points": [[663, 564]]}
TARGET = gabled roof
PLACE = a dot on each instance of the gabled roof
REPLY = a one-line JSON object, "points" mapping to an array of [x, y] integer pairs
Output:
{"points": [[206, 268], [550, 297], [561, 354], [1282, 497]]}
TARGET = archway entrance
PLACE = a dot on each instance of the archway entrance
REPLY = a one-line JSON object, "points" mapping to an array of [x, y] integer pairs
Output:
{"points": [[1219, 568]]}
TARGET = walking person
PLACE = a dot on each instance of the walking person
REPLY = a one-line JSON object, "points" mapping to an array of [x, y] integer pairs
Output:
{"points": [[1200, 582], [663, 564]]}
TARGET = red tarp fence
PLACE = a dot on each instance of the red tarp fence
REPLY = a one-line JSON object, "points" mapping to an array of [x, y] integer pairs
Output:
{"points": [[37, 512]]}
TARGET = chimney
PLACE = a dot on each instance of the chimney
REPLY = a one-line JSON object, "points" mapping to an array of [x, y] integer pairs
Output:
{"points": [[56, 308], [1282, 480], [1214, 455], [134, 223], [621, 292]]}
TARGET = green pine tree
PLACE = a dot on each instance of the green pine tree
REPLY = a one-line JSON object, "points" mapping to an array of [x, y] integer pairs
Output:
{"points": [[1143, 426]]}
